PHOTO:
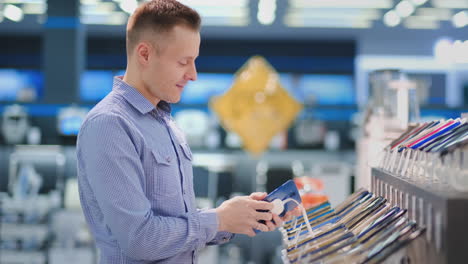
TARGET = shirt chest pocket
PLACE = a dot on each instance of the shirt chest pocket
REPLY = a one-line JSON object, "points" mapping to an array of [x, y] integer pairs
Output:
{"points": [[187, 163], [166, 179], [186, 150], [186, 166]]}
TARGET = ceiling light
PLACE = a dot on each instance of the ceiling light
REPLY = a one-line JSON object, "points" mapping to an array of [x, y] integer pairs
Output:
{"points": [[404, 9], [419, 2], [415, 22], [457, 4], [34, 9], [12, 2], [291, 21], [221, 12], [266, 11], [226, 21], [90, 2], [13, 13], [356, 13], [392, 19], [220, 3], [342, 3], [425, 17], [117, 18], [439, 13], [460, 19], [98, 9], [128, 6]]}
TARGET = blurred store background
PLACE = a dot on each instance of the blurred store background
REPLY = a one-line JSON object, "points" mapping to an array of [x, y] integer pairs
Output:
{"points": [[58, 59]]}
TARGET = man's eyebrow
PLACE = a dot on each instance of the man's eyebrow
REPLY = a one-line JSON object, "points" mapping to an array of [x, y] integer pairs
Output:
{"points": [[190, 57]]}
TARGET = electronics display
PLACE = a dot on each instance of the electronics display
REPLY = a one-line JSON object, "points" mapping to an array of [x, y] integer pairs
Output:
{"points": [[287, 80], [21, 85], [321, 89], [206, 86], [326, 89], [69, 120], [70, 126], [95, 84]]}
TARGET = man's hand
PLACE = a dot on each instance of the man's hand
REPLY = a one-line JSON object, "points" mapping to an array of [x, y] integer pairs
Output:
{"points": [[277, 221], [239, 215]]}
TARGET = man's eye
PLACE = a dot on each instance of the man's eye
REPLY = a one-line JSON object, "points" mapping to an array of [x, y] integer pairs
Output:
{"points": [[183, 62]]}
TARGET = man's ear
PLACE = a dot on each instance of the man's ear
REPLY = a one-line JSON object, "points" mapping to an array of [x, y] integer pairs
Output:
{"points": [[143, 51]]}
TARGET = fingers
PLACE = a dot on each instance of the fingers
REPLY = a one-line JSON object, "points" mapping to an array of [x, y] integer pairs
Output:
{"points": [[267, 227], [260, 205], [262, 227], [258, 226], [278, 221], [250, 233], [263, 216], [270, 225], [258, 196]]}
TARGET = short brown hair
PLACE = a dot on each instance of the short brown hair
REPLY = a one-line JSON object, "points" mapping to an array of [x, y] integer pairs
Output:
{"points": [[159, 16]]}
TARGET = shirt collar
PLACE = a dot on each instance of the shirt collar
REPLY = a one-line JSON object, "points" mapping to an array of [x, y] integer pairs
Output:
{"points": [[137, 100]]}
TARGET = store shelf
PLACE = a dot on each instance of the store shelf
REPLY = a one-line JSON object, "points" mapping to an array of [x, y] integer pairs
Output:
{"points": [[442, 210]]}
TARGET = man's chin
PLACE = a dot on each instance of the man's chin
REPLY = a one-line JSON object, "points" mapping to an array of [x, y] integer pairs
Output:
{"points": [[173, 100]]}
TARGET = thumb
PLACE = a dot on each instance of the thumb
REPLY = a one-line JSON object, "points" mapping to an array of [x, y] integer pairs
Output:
{"points": [[258, 195]]}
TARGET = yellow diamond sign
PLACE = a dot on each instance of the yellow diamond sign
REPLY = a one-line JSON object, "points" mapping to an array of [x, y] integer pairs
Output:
{"points": [[257, 107]]}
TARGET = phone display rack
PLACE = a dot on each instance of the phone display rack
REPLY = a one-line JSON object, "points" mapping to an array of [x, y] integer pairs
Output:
{"points": [[442, 210]]}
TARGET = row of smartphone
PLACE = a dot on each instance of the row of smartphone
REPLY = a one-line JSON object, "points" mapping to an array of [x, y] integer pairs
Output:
{"points": [[431, 153], [364, 228]]}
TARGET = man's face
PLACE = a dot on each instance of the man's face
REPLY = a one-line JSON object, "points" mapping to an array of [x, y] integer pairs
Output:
{"points": [[172, 64]]}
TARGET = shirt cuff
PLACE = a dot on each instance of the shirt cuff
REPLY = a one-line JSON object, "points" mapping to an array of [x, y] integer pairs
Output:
{"points": [[221, 238], [208, 224]]}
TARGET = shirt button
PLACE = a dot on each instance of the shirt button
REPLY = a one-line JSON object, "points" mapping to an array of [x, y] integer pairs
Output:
{"points": [[168, 158]]}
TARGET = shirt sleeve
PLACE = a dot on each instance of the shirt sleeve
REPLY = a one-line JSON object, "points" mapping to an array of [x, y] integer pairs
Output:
{"points": [[107, 148], [220, 237]]}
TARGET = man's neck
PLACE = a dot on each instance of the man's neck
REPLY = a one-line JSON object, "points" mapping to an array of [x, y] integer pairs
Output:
{"points": [[136, 82]]}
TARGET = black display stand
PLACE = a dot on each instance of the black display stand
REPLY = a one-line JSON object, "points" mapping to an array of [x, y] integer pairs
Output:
{"points": [[443, 211]]}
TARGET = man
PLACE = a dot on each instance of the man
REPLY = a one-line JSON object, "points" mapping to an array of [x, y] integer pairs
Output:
{"points": [[134, 166]]}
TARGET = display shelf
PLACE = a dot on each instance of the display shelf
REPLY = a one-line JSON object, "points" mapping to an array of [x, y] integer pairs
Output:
{"points": [[442, 210]]}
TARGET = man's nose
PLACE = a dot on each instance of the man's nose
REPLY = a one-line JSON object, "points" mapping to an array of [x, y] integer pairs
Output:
{"points": [[192, 73]]}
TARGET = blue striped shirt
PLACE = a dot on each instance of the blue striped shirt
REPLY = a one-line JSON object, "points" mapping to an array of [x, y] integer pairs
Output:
{"points": [[136, 183]]}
